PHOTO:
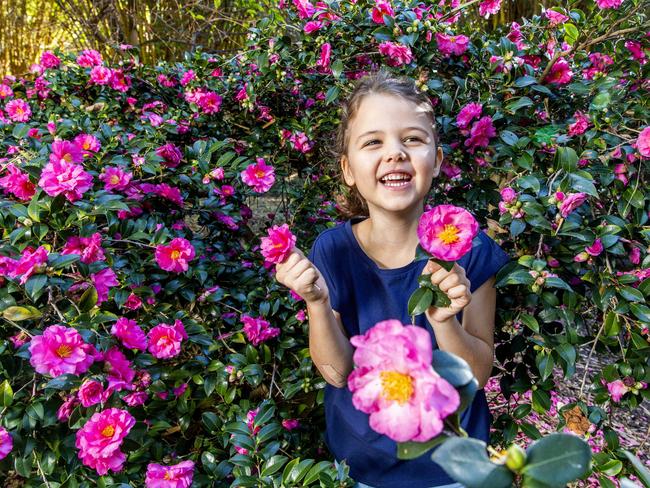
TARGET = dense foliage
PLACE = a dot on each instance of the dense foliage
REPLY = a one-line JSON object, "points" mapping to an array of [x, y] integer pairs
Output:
{"points": [[131, 193]]}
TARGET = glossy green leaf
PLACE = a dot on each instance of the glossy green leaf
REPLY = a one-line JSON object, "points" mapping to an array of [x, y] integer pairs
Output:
{"points": [[557, 459]]}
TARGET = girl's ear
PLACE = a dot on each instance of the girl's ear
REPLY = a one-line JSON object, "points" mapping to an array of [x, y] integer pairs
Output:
{"points": [[439, 157], [345, 169]]}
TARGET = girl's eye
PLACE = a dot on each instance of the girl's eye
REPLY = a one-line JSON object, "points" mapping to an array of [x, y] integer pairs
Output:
{"points": [[371, 142], [413, 138]]}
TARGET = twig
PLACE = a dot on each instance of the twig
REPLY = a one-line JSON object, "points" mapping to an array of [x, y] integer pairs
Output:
{"points": [[17, 326], [131, 242], [645, 439], [40, 470], [53, 304], [591, 352]]}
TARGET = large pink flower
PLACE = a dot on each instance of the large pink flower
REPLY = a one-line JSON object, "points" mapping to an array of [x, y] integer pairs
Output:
{"points": [[6, 443], [259, 176], [65, 178], [17, 183], [643, 142], [448, 45], [102, 281], [89, 248], [115, 178], [49, 60], [31, 262], [88, 143], [258, 330], [171, 155], [100, 439], [165, 340], [604, 4], [446, 232], [279, 243], [60, 350], [555, 18], [120, 374], [100, 75], [397, 54], [130, 334], [489, 7], [560, 73], [617, 389], [381, 8], [89, 58], [394, 382], [66, 152], [177, 476], [468, 113], [18, 110], [480, 134], [90, 393], [325, 57], [175, 256], [580, 125], [570, 202]]}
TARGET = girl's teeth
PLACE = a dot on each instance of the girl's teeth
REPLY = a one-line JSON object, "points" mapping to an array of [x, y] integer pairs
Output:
{"points": [[396, 183]]}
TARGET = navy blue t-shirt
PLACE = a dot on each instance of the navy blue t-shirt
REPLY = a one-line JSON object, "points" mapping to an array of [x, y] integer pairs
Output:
{"points": [[365, 294]]}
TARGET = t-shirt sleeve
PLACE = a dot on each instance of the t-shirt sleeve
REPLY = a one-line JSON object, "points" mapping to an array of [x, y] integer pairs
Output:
{"points": [[321, 255], [484, 261]]}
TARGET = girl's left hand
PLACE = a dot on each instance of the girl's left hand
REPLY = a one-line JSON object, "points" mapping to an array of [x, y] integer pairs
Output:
{"points": [[454, 284]]}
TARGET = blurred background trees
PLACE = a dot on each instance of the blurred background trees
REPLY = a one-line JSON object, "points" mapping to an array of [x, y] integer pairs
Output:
{"points": [[162, 29]]}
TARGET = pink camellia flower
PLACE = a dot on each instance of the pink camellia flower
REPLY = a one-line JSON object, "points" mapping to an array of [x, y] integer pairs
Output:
{"points": [[130, 334], [635, 255], [301, 142], [136, 398], [115, 178], [258, 330], [394, 382], [570, 202], [508, 195], [31, 262], [88, 143], [90, 393], [175, 256], [66, 152], [18, 110], [635, 48], [446, 232], [381, 8], [580, 125], [290, 424], [188, 76], [171, 155], [170, 193], [133, 302], [468, 113], [209, 102], [279, 243], [605, 4], [100, 75], [100, 439], [480, 134], [489, 7], [560, 73], [643, 142], [17, 183], [5, 91], [6, 443], [305, 8], [176, 476], [165, 340], [120, 81], [65, 178], [325, 57], [596, 248], [89, 58], [397, 54], [49, 60], [89, 248], [617, 389], [102, 281], [120, 374], [448, 45], [555, 18], [259, 176], [312, 26], [60, 350]]}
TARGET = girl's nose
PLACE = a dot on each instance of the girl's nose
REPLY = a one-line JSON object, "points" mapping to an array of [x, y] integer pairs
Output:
{"points": [[395, 153]]}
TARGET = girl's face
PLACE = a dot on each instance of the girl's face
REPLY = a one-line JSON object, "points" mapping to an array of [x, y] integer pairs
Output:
{"points": [[391, 156]]}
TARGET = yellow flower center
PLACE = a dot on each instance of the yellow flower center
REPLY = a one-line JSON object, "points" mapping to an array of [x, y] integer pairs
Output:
{"points": [[86, 145], [396, 386], [452, 38], [115, 180], [64, 351], [20, 111], [260, 173], [450, 234], [108, 431], [167, 475], [175, 254], [67, 157]]}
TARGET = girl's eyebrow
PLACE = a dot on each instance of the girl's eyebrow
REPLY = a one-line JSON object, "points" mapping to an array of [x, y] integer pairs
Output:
{"points": [[421, 129]]}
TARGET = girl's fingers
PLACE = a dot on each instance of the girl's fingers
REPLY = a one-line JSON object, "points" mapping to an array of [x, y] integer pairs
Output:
{"points": [[449, 281], [298, 269], [458, 291]]}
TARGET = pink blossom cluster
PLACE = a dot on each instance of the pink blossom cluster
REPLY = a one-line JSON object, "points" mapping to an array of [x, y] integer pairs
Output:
{"points": [[165, 340], [299, 140], [61, 350], [489, 7], [6, 443], [259, 176], [31, 262], [17, 183], [100, 439], [446, 232], [452, 44], [179, 475], [580, 125], [278, 244], [568, 202], [62, 175], [394, 382], [89, 248], [89, 58], [381, 8], [115, 178], [258, 330], [130, 334], [560, 73], [509, 202], [397, 54], [175, 256], [18, 110], [115, 78], [480, 134]]}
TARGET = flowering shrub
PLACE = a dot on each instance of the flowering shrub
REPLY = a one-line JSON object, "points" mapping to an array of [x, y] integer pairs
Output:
{"points": [[144, 335]]}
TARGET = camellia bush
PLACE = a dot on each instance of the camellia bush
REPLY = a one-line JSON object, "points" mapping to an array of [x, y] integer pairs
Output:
{"points": [[144, 338]]}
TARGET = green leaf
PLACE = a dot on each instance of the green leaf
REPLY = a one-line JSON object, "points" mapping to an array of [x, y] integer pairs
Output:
{"points": [[273, 464], [332, 95], [634, 197], [337, 68], [466, 461], [33, 209], [6, 394], [555, 282], [61, 261], [545, 363], [600, 101], [420, 301], [517, 227], [571, 33], [611, 467], [631, 294], [510, 138], [566, 158], [452, 368], [517, 277], [315, 471], [557, 459], [641, 311], [567, 352], [525, 81], [641, 471], [88, 299], [519, 103], [530, 322], [18, 314], [34, 285], [413, 450], [541, 401], [298, 471]]}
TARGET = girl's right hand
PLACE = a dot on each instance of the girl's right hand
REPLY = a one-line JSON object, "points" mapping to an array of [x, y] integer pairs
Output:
{"points": [[300, 275]]}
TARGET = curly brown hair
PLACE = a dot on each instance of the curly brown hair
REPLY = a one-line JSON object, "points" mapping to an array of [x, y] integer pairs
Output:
{"points": [[350, 202]]}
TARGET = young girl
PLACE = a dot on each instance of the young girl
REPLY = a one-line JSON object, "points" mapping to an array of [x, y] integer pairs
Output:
{"points": [[363, 272]]}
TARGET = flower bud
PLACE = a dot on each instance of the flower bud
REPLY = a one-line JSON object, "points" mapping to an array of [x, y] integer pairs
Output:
{"points": [[516, 458]]}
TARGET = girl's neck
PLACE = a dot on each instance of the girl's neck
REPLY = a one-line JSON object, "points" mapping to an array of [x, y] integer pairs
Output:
{"points": [[389, 240]]}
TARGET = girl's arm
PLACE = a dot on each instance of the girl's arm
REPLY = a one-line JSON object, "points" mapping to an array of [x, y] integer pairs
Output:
{"points": [[474, 339]]}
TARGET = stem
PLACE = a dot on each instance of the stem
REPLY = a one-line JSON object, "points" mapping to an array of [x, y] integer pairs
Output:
{"points": [[591, 353], [18, 326], [40, 470], [456, 10], [141, 244]]}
